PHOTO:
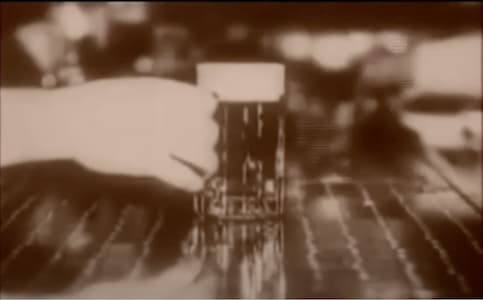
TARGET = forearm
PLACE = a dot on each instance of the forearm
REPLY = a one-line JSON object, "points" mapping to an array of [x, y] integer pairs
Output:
{"points": [[29, 129]]}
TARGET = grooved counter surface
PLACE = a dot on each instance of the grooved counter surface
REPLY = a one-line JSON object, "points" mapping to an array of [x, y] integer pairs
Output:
{"points": [[67, 232]]}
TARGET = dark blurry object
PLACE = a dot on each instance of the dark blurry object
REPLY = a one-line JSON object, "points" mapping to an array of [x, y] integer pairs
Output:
{"points": [[384, 74], [121, 33], [79, 223], [14, 14], [174, 53], [381, 142], [69, 42], [17, 66], [239, 42], [125, 43], [36, 47], [442, 103], [129, 12]]}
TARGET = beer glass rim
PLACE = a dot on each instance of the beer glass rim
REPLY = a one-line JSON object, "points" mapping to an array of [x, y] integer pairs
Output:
{"points": [[243, 81], [240, 63]]}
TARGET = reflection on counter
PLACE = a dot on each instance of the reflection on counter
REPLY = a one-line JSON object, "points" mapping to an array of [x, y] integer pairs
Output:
{"points": [[248, 257], [70, 233]]}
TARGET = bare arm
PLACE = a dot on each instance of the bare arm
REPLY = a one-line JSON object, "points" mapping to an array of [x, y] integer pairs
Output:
{"points": [[130, 126], [27, 129]]}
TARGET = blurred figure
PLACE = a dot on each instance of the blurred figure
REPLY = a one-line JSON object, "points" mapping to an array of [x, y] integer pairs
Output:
{"points": [[69, 42], [121, 38], [387, 136], [34, 51], [174, 53], [240, 42]]}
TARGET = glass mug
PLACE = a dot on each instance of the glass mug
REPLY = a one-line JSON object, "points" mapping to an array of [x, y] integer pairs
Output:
{"points": [[249, 183]]}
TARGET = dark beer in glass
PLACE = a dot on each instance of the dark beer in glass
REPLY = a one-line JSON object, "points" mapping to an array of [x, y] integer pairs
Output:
{"points": [[249, 183]]}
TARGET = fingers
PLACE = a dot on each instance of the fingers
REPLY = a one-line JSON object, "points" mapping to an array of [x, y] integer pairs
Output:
{"points": [[195, 143], [141, 124], [178, 175], [187, 117], [178, 96]]}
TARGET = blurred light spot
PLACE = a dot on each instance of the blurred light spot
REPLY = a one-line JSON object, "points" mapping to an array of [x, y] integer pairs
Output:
{"points": [[72, 58], [469, 3], [72, 20], [237, 32], [344, 115], [129, 12], [295, 45], [332, 51], [449, 66], [78, 241], [71, 75], [369, 105], [327, 208], [387, 70], [223, 257], [267, 42], [393, 41], [361, 42], [144, 65], [48, 81], [76, 76]]}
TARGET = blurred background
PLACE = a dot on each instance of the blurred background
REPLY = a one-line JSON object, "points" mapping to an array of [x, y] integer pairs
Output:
{"points": [[424, 59], [366, 85], [323, 43]]}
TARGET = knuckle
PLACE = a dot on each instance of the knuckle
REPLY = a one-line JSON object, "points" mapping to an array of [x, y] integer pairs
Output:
{"points": [[210, 103], [211, 164], [203, 134], [213, 131]]}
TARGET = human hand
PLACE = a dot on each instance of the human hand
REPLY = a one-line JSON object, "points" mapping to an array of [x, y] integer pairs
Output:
{"points": [[144, 127], [132, 126]]}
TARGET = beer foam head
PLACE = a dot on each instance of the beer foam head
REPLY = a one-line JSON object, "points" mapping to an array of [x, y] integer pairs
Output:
{"points": [[243, 82]]}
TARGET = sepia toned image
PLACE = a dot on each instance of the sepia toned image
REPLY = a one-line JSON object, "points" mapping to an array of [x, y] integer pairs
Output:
{"points": [[252, 150]]}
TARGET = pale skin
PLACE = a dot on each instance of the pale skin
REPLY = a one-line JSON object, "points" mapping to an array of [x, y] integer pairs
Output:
{"points": [[132, 126]]}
